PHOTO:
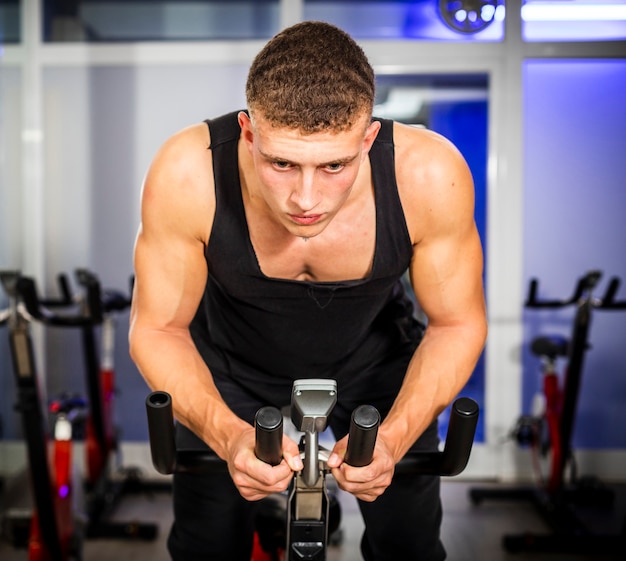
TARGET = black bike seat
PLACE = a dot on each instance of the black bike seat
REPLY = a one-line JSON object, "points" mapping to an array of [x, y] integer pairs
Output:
{"points": [[550, 346]]}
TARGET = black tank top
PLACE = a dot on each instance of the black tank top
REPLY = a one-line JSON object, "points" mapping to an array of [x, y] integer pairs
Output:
{"points": [[266, 332]]}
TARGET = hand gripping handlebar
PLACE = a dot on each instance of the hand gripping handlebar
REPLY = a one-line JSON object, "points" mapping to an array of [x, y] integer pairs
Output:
{"points": [[308, 513], [362, 437]]}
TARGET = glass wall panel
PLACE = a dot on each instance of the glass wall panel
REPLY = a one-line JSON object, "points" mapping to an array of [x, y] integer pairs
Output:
{"points": [[10, 244], [159, 20], [104, 125], [445, 20], [574, 202], [9, 21], [456, 107], [575, 20]]}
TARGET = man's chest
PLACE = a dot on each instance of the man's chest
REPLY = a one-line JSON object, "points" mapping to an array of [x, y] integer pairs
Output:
{"points": [[343, 251]]}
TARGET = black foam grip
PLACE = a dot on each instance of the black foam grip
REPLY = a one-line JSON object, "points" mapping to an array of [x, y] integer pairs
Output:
{"points": [[161, 431], [362, 437], [268, 423], [460, 437], [27, 291]]}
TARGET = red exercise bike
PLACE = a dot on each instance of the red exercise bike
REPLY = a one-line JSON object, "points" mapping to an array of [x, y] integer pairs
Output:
{"points": [[96, 311], [54, 530], [548, 432]]}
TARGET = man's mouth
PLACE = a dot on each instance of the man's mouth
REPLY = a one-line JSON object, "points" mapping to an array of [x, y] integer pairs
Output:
{"points": [[305, 219]]}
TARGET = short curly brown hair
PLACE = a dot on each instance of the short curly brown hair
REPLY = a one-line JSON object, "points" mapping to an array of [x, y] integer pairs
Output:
{"points": [[311, 76]]}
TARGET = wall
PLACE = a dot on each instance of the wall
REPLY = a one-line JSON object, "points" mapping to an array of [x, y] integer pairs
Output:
{"points": [[106, 125], [574, 204], [10, 247]]}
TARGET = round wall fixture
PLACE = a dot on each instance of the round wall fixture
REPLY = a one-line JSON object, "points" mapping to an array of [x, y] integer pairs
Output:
{"points": [[468, 16]]}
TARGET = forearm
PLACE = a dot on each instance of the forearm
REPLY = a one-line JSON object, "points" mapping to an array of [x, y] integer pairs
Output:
{"points": [[438, 371], [169, 361]]}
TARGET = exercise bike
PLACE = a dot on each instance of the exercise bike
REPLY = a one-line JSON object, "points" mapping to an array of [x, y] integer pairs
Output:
{"points": [[307, 514], [92, 310], [548, 433], [54, 530]]}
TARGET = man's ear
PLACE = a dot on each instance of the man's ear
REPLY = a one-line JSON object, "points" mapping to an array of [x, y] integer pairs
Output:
{"points": [[371, 132], [245, 123]]}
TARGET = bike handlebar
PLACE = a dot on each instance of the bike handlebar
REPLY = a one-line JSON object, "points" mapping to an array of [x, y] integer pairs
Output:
{"points": [[65, 292], [362, 436], [92, 315], [609, 302], [584, 286], [111, 300], [268, 424], [96, 302], [449, 462]]}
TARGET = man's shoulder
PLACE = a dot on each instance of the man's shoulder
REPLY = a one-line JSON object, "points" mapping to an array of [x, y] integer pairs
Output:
{"points": [[416, 134], [183, 159], [184, 149], [422, 149], [431, 173]]}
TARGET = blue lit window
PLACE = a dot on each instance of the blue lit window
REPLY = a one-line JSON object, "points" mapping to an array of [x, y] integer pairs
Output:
{"points": [[456, 106], [575, 20]]}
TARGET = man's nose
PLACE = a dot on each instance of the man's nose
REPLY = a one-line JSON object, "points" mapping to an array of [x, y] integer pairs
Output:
{"points": [[305, 194]]}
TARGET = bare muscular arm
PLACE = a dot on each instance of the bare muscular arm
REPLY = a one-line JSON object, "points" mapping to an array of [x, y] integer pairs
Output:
{"points": [[446, 274], [170, 277]]}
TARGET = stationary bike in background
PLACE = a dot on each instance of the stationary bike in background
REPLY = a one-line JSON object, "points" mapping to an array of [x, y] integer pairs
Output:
{"points": [[102, 438], [53, 531], [548, 432], [97, 309]]}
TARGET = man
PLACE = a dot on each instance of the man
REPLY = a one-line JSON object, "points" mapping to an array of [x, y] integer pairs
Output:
{"points": [[271, 248]]}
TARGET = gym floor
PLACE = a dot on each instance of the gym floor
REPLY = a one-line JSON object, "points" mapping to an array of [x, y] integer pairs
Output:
{"points": [[470, 532]]}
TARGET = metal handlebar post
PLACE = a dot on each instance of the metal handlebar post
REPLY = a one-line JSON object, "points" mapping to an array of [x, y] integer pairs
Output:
{"points": [[312, 401]]}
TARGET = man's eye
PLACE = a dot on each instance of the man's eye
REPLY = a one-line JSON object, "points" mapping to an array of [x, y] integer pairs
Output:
{"points": [[335, 167], [281, 165]]}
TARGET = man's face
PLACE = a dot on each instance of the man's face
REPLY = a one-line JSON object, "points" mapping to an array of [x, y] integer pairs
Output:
{"points": [[305, 179]]}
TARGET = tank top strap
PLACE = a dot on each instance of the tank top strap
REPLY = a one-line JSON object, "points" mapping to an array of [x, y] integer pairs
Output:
{"points": [[230, 231], [391, 229], [223, 129], [385, 134]]}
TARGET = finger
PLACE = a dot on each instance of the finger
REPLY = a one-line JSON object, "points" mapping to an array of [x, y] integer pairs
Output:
{"points": [[367, 492], [256, 474], [253, 489], [362, 475], [366, 483], [294, 462], [334, 460], [270, 476], [338, 452], [291, 454], [369, 497]]}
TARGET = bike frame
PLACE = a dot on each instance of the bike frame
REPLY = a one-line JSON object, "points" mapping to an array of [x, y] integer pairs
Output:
{"points": [[556, 499], [52, 529], [562, 398], [100, 436]]}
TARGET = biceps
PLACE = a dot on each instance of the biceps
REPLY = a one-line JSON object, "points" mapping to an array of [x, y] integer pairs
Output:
{"points": [[446, 275], [170, 277]]}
